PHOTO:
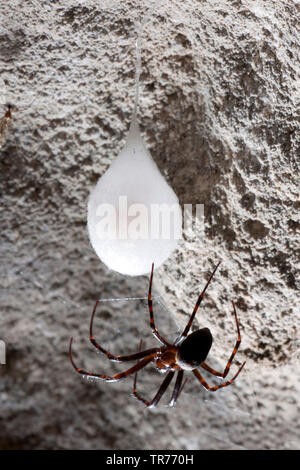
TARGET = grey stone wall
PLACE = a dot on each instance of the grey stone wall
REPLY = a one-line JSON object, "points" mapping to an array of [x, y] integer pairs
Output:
{"points": [[219, 110]]}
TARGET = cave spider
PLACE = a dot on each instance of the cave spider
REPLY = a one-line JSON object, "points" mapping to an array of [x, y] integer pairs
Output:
{"points": [[187, 353]]}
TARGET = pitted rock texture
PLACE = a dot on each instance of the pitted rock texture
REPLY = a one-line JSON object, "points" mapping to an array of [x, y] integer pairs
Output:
{"points": [[219, 109]]}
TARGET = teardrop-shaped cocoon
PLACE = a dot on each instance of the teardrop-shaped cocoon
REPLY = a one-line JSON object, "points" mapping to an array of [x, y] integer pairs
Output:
{"points": [[134, 217]]}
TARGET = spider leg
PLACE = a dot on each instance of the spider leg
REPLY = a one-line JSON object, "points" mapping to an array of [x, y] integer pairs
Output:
{"points": [[189, 324], [159, 394], [161, 391], [224, 384], [152, 324], [115, 377], [177, 388], [237, 344], [112, 357], [212, 371]]}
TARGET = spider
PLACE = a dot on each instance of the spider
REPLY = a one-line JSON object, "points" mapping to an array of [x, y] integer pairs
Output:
{"points": [[187, 353]]}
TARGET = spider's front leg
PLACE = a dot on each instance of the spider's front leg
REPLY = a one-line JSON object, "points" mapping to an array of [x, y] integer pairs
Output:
{"points": [[113, 357], [116, 377]]}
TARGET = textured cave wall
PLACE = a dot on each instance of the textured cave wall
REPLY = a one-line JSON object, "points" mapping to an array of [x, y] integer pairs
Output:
{"points": [[219, 111]]}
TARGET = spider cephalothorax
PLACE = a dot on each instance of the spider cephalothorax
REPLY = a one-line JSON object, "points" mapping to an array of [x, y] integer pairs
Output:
{"points": [[187, 353]]}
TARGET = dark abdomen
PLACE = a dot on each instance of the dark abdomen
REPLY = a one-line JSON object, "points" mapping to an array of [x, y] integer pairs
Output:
{"points": [[194, 349]]}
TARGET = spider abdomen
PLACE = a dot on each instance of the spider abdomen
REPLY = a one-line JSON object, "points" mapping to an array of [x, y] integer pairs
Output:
{"points": [[194, 349]]}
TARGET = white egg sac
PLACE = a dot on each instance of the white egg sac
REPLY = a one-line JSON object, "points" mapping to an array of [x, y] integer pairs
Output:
{"points": [[134, 217]]}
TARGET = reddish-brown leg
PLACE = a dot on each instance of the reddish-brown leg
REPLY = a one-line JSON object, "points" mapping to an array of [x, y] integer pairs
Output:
{"points": [[189, 324], [152, 324], [237, 344], [178, 388], [115, 377], [159, 394], [112, 357], [213, 389], [161, 391]]}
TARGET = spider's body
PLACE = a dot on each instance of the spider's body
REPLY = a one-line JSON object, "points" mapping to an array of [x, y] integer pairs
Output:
{"points": [[194, 349], [187, 353], [167, 359]]}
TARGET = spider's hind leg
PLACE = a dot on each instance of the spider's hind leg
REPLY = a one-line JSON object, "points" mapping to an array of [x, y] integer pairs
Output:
{"points": [[235, 349], [155, 332], [216, 387]]}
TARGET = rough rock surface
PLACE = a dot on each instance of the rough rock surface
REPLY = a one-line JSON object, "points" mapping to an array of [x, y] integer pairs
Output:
{"points": [[219, 108]]}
